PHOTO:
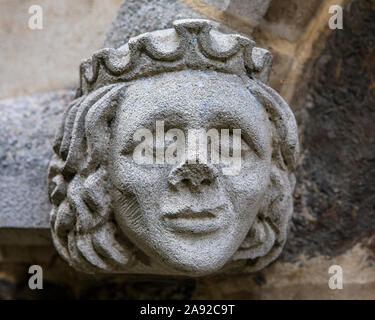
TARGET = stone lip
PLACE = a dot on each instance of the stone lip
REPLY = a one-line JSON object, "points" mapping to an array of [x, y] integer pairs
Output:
{"points": [[27, 129]]}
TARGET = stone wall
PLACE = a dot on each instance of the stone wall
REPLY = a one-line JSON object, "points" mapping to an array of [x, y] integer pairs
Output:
{"points": [[327, 76], [41, 60]]}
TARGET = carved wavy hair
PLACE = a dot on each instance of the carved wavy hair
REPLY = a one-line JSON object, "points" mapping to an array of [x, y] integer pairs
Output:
{"points": [[82, 220]]}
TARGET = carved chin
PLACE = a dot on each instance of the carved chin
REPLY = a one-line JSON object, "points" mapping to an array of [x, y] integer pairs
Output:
{"points": [[200, 258], [192, 256], [190, 243]]}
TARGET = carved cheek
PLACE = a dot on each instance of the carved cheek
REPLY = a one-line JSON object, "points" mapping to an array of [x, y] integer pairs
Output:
{"points": [[249, 187], [138, 180]]}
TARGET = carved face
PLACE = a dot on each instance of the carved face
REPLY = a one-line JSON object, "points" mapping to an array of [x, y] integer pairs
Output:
{"points": [[189, 217]]}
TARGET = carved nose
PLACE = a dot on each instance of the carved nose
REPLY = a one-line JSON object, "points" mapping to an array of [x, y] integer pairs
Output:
{"points": [[193, 176]]}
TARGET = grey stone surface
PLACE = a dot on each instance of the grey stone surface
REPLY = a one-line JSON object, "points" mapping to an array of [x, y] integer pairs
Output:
{"points": [[112, 214], [27, 128], [35, 61], [219, 4], [288, 18], [136, 17], [250, 11]]}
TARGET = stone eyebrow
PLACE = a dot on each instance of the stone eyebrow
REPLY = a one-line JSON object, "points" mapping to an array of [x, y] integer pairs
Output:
{"points": [[251, 139]]}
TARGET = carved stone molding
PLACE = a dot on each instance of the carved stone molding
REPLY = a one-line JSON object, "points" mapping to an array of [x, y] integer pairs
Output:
{"points": [[112, 214]]}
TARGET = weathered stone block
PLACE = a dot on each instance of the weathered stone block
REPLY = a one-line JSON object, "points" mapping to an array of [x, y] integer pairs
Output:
{"points": [[136, 17], [34, 60], [249, 11], [27, 129], [287, 19]]}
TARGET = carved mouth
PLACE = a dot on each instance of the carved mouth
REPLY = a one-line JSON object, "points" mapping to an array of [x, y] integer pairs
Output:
{"points": [[189, 214], [193, 221]]}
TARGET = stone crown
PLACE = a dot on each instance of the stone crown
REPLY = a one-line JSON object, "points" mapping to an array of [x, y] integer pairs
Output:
{"points": [[191, 44]]}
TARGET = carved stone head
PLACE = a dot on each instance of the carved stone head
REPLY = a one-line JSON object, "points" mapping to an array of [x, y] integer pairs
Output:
{"points": [[114, 214]]}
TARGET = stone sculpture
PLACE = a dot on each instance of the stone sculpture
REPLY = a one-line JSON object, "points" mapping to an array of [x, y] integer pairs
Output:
{"points": [[112, 214]]}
